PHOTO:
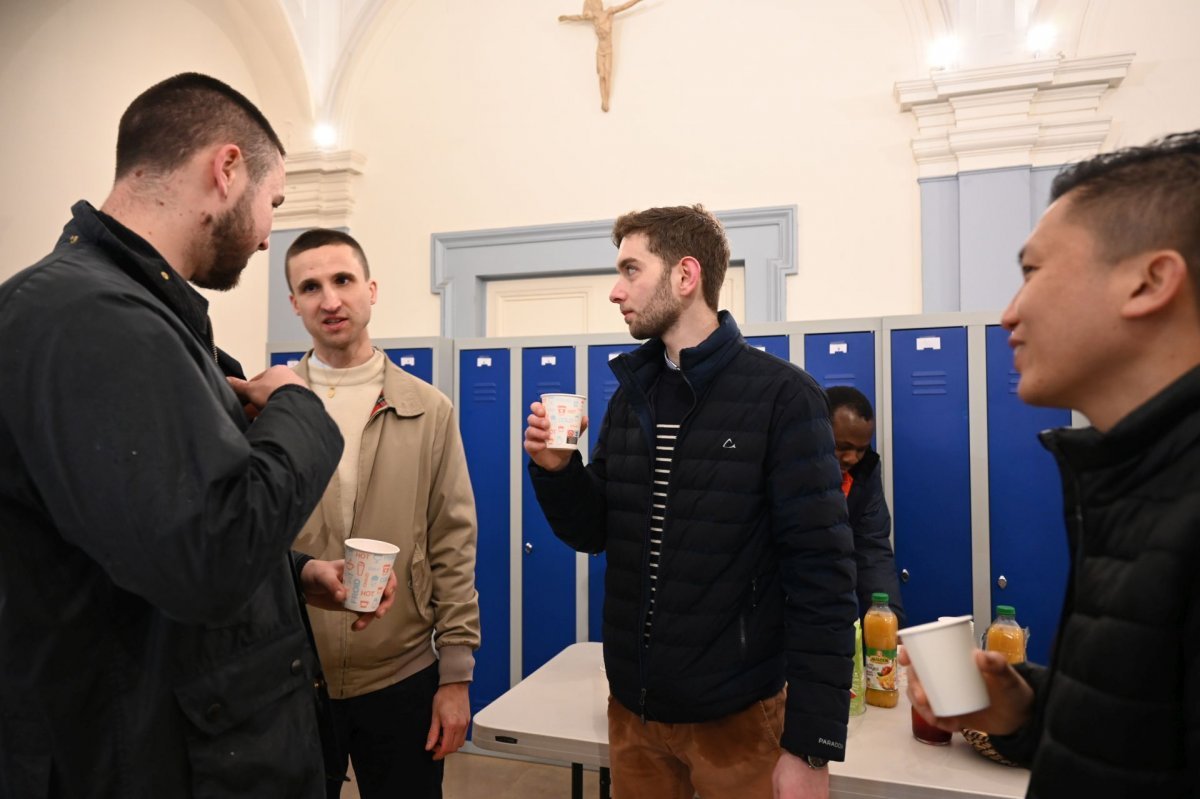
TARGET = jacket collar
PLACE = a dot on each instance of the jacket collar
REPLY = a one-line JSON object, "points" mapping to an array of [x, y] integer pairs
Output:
{"points": [[866, 464], [135, 256], [1170, 417], [699, 364], [399, 389]]}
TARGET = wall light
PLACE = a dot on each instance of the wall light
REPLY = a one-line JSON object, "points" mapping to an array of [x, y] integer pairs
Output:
{"points": [[1040, 38], [943, 54], [324, 136]]}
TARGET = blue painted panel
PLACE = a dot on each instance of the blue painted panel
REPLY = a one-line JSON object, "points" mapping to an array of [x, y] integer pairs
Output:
{"points": [[1028, 536], [932, 471], [602, 384], [940, 290], [842, 359], [485, 390], [548, 570], [417, 361], [285, 358], [776, 345], [994, 214]]}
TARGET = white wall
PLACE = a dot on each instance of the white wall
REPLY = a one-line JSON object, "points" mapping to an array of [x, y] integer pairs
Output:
{"points": [[68, 69], [481, 115], [477, 115]]}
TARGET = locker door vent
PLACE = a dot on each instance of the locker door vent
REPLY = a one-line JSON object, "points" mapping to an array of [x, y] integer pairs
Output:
{"points": [[927, 383]]}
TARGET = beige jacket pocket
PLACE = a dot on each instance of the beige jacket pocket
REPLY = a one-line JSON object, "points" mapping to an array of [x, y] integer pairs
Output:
{"points": [[421, 582]]}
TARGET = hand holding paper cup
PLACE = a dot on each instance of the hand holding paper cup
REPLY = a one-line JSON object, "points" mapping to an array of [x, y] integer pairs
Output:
{"points": [[565, 414], [368, 565], [942, 652]]}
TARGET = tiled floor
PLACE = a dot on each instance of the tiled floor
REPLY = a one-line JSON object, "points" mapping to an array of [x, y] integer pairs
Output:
{"points": [[481, 777]]}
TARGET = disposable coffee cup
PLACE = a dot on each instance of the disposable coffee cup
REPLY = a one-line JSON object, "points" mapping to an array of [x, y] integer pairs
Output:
{"points": [[942, 653], [368, 566], [565, 413]]}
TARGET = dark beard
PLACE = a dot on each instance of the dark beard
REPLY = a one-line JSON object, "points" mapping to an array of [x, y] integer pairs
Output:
{"points": [[230, 233]]}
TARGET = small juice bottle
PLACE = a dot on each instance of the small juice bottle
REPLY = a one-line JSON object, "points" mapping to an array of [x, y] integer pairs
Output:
{"points": [[879, 647], [1005, 635]]}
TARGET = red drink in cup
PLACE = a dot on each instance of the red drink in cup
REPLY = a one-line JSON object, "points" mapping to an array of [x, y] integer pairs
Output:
{"points": [[927, 733]]}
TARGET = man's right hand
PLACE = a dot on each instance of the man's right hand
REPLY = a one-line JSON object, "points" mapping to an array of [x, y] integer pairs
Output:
{"points": [[1011, 698], [536, 436], [255, 391]]}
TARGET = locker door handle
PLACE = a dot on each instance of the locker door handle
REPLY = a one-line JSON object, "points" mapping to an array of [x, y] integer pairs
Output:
{"points": [[1002, 582], [528, 548], [904, 575]]}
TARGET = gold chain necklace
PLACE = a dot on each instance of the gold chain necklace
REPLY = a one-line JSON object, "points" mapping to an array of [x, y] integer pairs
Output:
{"points": [[332, 388]]}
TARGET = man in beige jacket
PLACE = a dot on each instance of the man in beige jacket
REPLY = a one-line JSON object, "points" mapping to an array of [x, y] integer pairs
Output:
{"points": [[400, 687]]}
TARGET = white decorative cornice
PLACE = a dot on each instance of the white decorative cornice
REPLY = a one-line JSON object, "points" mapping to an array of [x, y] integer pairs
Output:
{"points": [[1035, 113], [319, 189]]}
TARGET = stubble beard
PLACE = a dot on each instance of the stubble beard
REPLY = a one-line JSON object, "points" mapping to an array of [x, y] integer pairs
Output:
{"points": [[659, 315]]}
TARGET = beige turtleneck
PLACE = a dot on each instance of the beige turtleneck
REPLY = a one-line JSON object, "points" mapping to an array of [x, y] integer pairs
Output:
{"points": [[354, 391]]}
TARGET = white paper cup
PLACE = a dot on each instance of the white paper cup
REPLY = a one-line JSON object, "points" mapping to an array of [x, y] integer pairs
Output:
{"points": [[941, 652], [368, 565], [565, 412]]}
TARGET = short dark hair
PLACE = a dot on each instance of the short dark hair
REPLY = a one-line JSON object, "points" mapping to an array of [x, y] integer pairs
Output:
{"points": [[323, 237], [675, 232], [850, 398], [169, 122], [1140, 198]]}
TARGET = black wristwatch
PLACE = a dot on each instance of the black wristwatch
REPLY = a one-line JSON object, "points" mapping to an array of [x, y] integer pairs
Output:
{"points": [[815, 762]]}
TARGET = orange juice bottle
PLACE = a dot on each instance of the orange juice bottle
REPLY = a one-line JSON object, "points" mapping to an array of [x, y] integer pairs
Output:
{"points": [[1005, 635], [879, 650]]}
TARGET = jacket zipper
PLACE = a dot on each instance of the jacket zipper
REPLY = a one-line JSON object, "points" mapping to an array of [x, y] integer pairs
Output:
{"points": [[644, 646]]}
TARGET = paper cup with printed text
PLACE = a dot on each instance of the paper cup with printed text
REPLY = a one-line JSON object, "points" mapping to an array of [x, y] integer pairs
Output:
{"points": [[942, 652], [565, 413], [368, 566]]}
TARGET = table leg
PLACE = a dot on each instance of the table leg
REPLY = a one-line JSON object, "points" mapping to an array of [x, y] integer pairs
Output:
{"points": [[605, 783], [576, 781]]}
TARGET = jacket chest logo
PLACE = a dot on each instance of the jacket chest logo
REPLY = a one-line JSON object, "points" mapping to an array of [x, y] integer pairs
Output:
{"points": [[729, 444]]}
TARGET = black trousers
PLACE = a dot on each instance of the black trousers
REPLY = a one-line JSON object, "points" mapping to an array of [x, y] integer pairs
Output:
{"points": [[383, 735]]}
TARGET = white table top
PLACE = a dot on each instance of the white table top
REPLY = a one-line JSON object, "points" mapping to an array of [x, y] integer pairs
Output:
{"points": [[560, 712]]}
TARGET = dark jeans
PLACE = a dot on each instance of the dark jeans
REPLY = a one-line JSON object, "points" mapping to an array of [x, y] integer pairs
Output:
{"points": [[383, 733]]}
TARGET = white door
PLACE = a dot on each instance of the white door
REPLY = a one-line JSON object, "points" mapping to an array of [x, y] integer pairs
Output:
{"points": [[555, 306]]}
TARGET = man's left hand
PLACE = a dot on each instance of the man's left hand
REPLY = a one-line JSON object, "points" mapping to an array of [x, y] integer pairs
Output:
{"points": [[323, 588], [793, 779], [451, 715]]}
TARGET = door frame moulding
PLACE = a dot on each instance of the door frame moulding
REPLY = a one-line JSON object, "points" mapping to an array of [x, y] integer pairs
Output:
{"points": [[764, 239]]}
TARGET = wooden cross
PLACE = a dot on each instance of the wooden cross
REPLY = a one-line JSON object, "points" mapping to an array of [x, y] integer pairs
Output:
{"points": [[602, 21]]}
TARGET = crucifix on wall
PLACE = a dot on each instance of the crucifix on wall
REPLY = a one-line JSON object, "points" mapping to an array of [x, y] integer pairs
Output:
{"points": [[602, 20]]}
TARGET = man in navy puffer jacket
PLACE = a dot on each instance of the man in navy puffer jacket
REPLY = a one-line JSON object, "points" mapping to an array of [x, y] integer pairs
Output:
{"points": [[716, 495]]}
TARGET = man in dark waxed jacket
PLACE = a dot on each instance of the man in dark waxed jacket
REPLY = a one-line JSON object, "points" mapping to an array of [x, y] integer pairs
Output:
{"points": [[1108, 322], [715, 493], [152, 637]]}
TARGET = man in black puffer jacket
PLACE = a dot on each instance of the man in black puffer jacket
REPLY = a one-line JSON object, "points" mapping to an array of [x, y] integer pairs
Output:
{"points": [[715, 492], [1107, 322], [853, 421]]}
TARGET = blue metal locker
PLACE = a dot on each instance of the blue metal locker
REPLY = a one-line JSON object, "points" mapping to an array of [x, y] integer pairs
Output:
{"points": [[602, 384], [842, 359], [485, 381], [547, 565], [931, 464], [417, 361], [776, 345], [285, 358], [1028, 537]]}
